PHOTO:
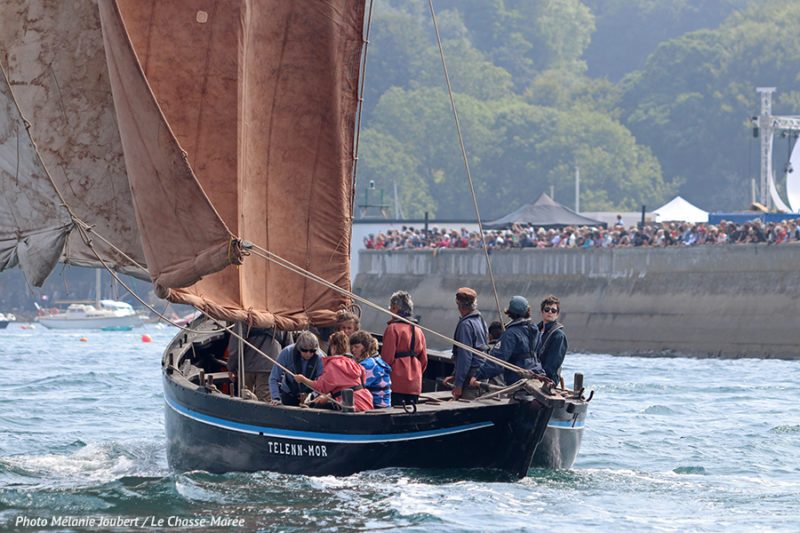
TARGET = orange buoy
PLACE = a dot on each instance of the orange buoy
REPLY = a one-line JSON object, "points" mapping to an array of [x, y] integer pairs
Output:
{"points": [[146, 338], [84, 339]]}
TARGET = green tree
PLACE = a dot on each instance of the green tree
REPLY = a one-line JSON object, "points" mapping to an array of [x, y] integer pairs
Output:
{"points": [[385, 161], [628, 31], [421, 121], [540, 147], [692, 101]]}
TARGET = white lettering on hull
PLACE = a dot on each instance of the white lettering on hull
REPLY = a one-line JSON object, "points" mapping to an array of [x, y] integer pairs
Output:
{"points": [[297, 450]]}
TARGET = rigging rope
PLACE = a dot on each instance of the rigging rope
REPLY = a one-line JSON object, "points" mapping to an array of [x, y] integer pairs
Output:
{"points": [[466, 162], [360, 112], [285, 263], [85, 229]]}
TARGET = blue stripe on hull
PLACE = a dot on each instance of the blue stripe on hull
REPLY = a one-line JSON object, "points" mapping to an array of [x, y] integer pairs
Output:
{"points": [[565, 424], [323, 437]]}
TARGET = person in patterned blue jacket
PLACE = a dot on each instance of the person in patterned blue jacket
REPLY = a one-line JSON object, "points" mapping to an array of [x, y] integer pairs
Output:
{"points": [[470, 331], [364, 348], [518, 345]]}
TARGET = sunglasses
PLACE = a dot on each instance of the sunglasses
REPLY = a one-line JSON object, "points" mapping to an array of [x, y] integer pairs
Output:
{"points": [[307, 350], [550, 309]]}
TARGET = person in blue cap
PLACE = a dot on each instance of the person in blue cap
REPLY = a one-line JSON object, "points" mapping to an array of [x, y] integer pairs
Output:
{"points": [[518, 345]]}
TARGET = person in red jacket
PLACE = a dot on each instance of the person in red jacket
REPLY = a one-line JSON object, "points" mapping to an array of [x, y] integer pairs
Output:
{"points": [[340, 371], [404, 350]]}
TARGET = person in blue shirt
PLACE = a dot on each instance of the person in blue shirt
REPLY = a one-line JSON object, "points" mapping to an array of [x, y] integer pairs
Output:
{"points": [[302, 357], [517, 345], [471, 331]]}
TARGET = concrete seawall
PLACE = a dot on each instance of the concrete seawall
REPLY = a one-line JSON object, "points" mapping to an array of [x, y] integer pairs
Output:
{"points": [[720, 301]]}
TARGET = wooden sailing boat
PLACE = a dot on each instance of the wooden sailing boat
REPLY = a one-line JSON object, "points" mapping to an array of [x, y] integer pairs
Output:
{"points": [[236, 123]]}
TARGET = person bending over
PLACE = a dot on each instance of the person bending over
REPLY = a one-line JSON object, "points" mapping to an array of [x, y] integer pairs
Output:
{"points": [[517, 345], [340, 371], [303, 358]]}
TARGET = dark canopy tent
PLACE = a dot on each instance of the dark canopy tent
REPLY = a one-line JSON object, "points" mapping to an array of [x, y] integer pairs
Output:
{"points": [[544, 212]]}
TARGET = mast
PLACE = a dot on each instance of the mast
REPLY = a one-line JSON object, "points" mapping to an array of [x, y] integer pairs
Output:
{"points": [[97, 288]]}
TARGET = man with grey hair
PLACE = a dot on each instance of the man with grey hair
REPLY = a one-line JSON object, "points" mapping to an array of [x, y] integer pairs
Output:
{"points": [[404, 350], [302, 357]]}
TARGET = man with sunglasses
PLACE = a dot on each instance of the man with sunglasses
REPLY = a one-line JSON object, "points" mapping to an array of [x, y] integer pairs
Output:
{"points": [[302, 357], [553, 347]]}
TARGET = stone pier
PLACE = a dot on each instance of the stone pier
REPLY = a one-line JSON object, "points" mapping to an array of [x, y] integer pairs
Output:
{"points": [[718, 301]]}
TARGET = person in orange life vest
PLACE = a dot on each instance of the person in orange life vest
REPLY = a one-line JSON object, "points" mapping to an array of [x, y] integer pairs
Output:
{"points": [[404, 350], [340, 371]]}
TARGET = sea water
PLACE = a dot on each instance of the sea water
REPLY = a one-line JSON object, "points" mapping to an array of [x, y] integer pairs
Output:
{"points": [[670, 444]]}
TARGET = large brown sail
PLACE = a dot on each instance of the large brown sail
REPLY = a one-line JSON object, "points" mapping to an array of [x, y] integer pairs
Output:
{"points": [[52, 52], [240, 114]]}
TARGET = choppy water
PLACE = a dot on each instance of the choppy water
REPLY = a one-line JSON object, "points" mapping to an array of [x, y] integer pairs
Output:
{"points": [[670, 444]]}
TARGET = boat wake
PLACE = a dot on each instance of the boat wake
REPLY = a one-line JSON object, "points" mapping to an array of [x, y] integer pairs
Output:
{"points": [[88, 466]]}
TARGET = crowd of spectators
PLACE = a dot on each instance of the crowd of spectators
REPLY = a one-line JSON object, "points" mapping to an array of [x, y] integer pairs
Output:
{"points": [[529, 236]]}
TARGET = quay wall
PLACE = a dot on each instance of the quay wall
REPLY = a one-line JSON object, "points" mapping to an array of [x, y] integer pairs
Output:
{"points": [[717, 301]]}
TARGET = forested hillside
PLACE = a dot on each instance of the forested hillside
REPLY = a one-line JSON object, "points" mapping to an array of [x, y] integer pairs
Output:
{"points": [[649, 98]]}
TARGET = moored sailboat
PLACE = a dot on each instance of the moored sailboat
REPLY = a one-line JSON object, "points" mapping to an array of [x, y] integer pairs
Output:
{"points": [[236, 126], [111, 315], [6, 319]]}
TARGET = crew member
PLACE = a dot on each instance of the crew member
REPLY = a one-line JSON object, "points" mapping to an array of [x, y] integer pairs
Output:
{"points": [[257, 366], [517, 345], [553, 347], [404, 350], [341, 371], [302, 357], [471, 331]]}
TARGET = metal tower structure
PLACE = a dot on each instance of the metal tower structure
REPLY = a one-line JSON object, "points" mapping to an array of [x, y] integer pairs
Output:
{"points": [[769, 124]]}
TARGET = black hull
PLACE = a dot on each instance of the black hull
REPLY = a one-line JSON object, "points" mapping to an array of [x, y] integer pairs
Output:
{"points": [[4, 324], [561, 441], [213, 432]]}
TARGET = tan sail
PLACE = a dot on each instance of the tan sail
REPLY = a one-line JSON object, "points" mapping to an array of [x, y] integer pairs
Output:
{"points": [[240, 115], [33, 224], [52, 52]]}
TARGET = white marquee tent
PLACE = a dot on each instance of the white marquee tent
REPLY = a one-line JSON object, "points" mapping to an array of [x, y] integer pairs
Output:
{"points": [[679, 209]]}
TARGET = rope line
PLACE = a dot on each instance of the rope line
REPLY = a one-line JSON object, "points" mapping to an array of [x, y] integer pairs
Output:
{"points": [[466, 163], [285, 263], [360, 112], [85, 229]]}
